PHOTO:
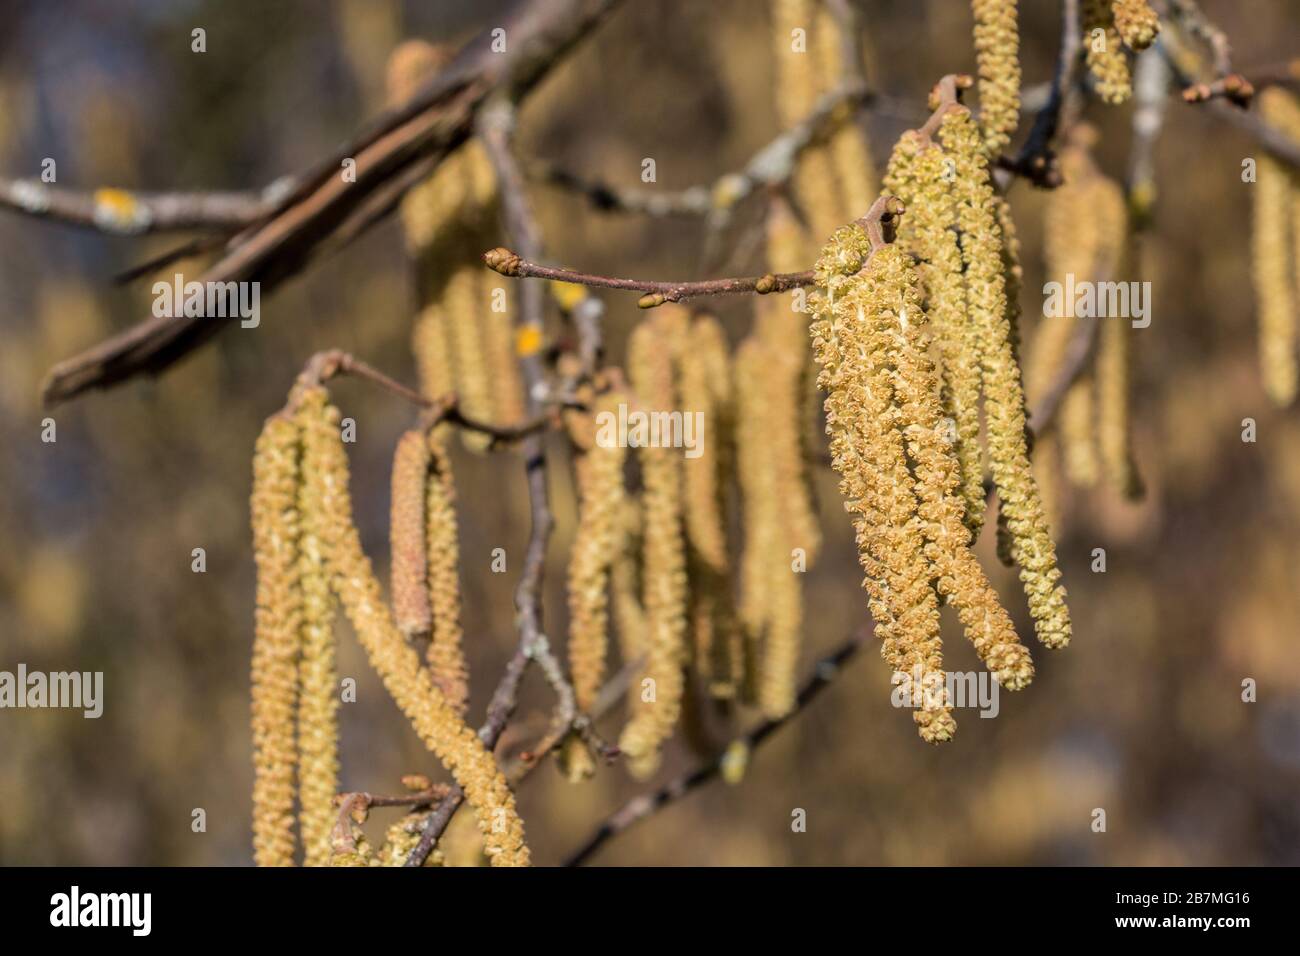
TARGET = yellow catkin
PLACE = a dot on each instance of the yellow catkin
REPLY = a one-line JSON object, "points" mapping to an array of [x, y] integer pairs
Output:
{"points": [[278, 621], [1004, 402], [850, 151], [431, 345], [852, 311], [1014, 276], [1276, 195], [798, 86], [997, 56], [409, 566], [1136, 22], [921, 176], [959, 578], [762, 507], [1112, 368], [1079, 434], [318, 697], [502, 360], [1104, 53], [704, 374], [705, 381], [650, 367], [445, 654], [600, 503], [625, 593], [441, 729], [400, 839], [465, 309]]}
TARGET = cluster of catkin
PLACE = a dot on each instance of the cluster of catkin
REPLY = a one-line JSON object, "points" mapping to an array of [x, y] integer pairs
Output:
{"points": [[307, 548], [1087, 240], [1275, 251], [961, 232], [1108, 27], [463, 340]]}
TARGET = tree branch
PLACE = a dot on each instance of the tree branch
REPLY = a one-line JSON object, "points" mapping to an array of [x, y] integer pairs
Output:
{"points": [[384, 160], [643, 806], [126, 213], [508, 263]]}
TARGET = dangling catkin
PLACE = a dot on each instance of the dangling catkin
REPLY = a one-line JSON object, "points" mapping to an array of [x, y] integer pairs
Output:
{"points": [[849, 150], [1105, 56], [445, 655], [706, 393], [1111, 374], [278, 620], [318, 699], [959, 577], [852, 309], [1004, 402], [650, 367], [997, 54], [502, 361], [443, 731], [797, 89], [600, 503], [921, 176], [465, 311], [1272, 255], [409, 570], [1079, 434], [1136, 22]]}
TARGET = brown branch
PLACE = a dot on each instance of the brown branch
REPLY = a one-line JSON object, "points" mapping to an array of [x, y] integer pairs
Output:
{"points": [[511, 265], [323, 366], [770, 166], [641, 807], [1036, 159], [384, 159]]}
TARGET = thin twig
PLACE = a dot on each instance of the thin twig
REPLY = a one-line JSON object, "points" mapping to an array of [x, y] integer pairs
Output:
{"points": [[770, 166], [640, 807], [1036, 159], [513, 266]]}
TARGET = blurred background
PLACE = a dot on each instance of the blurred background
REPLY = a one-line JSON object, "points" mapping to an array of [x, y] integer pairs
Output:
{"points": [[1142, 715]]}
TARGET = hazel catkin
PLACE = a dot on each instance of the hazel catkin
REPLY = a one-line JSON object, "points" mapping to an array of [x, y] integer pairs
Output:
{"points": [[1004, 402], [1104, 53], [278, 620], [853, 306], [650, 368], [445, 654], [600, 502], [318, 699], [997, 55], [1136, 23]]}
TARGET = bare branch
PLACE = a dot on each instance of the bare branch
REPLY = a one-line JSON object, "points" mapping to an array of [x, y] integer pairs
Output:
{"points": [[509, 264], [401, 147], [640, 807]]}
